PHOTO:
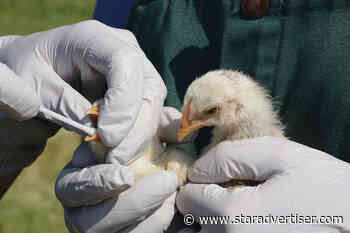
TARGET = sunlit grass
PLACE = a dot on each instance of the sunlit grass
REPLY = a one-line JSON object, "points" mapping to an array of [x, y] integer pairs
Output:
{"points": [[30, 206], [27, 16]]}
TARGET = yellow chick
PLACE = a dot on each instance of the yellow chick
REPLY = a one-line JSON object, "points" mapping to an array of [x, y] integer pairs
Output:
{"points": [[156, 157], [230, 101]]}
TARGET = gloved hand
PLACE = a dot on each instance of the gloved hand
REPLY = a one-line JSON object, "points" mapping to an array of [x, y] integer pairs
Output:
{"points": [[97, 197], [298, 180], [66, 65], [62, 69]]}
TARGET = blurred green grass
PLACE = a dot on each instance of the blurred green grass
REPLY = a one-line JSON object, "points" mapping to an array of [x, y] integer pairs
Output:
{"points": [[28, 16], [30, 206]]}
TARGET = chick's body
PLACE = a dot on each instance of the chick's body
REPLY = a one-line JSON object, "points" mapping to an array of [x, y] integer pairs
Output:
{"points": [[231, 101], [156, 157]]}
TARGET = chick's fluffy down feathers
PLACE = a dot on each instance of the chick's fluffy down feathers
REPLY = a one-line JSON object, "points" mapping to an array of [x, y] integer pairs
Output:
{"points": [[246, 107], [154, 158], [246, 111]]}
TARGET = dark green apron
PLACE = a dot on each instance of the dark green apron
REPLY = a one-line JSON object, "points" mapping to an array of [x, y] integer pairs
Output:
{"points": [[300, 51]]}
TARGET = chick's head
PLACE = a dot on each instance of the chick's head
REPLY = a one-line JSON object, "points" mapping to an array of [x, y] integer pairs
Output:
{"points": [[226, 99]]}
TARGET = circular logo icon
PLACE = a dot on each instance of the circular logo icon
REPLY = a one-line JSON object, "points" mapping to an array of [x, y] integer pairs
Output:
{"points": [[188, 219]]}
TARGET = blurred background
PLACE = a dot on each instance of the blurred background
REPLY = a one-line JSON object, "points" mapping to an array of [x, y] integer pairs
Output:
{"points": [[30, 206]]}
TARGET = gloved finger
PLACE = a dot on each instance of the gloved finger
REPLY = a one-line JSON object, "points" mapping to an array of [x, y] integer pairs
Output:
{"points": [[122, 65], [131, 206], [198, 200], [88, 186], [252, 159], [201, 199], [157, 222], [169, 125], [17, 99], [144, 128], [122, 101]]}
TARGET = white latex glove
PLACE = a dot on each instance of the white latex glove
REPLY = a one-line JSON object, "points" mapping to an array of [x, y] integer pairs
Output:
{"points": [[93, 198], [299, 180], [67, 66], [64, 69]]}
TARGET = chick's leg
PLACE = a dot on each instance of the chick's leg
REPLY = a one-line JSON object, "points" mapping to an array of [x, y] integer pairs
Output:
{"points": [[93, 115]]}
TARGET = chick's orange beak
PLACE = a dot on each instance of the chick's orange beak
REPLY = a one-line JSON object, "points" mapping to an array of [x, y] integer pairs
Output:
{"points": [[188, 126]]}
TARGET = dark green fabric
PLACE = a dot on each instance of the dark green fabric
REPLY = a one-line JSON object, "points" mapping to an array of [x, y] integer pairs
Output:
{"points": [[300, 52]]}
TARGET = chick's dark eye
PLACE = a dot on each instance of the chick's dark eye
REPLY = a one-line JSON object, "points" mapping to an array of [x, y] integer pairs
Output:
{"points": [[212, 110]]}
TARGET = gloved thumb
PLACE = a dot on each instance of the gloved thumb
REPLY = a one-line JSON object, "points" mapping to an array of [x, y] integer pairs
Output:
{"points": [[251, 159], [195, 200], [17, 99]]}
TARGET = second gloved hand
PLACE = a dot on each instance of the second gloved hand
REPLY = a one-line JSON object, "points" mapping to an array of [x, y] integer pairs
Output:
{"points": [[299, 181]]}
